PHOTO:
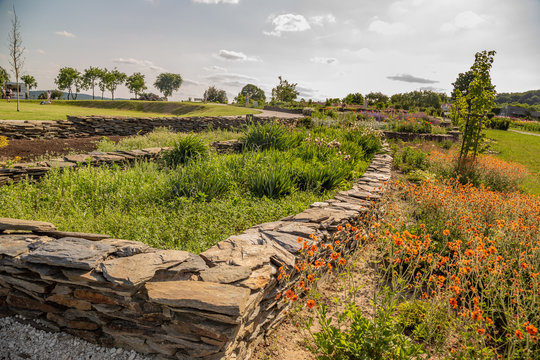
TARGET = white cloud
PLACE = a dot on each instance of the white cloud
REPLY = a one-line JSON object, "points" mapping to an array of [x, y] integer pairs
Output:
{"points": [[288, 23], [323, 60], [364, 54], [214, 68], [216, 1], [40, 51], [187, 82], [322, 19], [411, 79], [65, 33], [142, 63], [231, 79], [386, 28], [235, 56], [464, 20]]}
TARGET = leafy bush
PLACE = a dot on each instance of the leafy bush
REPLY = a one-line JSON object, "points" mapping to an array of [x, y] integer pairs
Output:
{"points": [[499, 123], [423, 320], [408, 159], [185, 150], [202, 180], [414, 126], [267, 136], [527, 125], [321, 177], [306, 122], [271, 181]]}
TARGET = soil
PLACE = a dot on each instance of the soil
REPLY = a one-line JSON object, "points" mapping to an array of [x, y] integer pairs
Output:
{"points": [[32, 150]]}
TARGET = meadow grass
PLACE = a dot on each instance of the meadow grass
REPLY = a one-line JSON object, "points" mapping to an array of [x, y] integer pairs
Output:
{"points": [[522, 149], [59, 109]]}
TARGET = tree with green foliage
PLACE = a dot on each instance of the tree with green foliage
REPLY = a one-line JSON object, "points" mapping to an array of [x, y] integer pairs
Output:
{"points": [[16, 50], [112, 79], [215, 95], [68, 78], [101, 81], [4, 77], [461, 85], [135, 83], [30, 83], [374, 98], [473, 104], [89, 78], [167, 83], [251, 93], [354, 99], [285, 91]]}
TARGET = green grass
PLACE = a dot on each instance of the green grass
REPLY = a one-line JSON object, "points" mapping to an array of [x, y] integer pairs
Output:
{"points": [[520, 148], [59, 109], [201, 202]]}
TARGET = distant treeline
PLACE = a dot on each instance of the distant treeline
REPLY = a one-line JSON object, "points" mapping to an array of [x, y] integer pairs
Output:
{"points": [[531, 97]]}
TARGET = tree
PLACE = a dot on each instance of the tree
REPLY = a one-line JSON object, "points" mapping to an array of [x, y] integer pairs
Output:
{"points": [[67, 78], [101, 81], [16, 50], [215, 95], [376, 97], [135, 83], [461, 85], [284, 91], [356, 99], [4, 76], [473, 104], [251, 92], [89, 78], [167, 83], [112, 79], [30, 83]]}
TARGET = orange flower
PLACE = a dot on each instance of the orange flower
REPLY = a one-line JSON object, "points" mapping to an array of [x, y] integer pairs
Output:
{"points": [[311, 278], [339, 228], [314, 248], [532, 330], [342, 261], [335, 255], [299, 240], [310, 304], [446, 232], [453, 302], [294, 297], [519, 334], [481, 331]]}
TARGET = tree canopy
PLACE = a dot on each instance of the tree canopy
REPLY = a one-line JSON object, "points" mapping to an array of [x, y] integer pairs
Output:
{"points": [[89, 78], [167, 83], [285, 91], [30, 83], [253, 93], [376, 98], [135, 83], [4, 76], [67, 78], [354, 99], [215, 95], [417, 99], [112, 79]]}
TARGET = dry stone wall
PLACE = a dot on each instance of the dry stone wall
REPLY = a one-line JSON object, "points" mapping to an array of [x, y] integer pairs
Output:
{"points": [[85, 126], [451, 136], [179, 305]]}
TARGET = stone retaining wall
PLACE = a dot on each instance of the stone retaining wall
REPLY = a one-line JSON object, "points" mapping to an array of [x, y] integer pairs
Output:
{"points": [[452, 136], [215, 305], [85, 126]]}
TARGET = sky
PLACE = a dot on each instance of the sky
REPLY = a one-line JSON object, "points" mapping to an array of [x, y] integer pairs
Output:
{"points": [[328, 48]]}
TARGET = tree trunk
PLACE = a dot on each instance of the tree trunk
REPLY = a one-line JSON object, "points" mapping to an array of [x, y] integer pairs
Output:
{"points": [[112, 94], [93, 98], [17, 82]]}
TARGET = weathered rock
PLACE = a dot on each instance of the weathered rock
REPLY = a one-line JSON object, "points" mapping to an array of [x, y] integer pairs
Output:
{"points": [[69, 252], [24, 302], [62, 234], [136, 269], [124, 248], [28, 225], [219, 298], [288, 241], [95, 297], [72, 324], [70, 302], [225, 274], [260, 278], [34, 286]]}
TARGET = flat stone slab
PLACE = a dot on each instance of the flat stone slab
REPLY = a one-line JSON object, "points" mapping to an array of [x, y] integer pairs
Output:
{"points": [[137, 269], [219, 298], [28, 225], [225, 274], [126, 247], [62, 234], [69, 252], [15, 245]]}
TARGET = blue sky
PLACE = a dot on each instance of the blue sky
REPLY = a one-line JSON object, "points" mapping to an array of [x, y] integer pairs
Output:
{"points": [[328, 48]]}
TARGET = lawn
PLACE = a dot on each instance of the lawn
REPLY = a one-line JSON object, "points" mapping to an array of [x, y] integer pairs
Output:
{"points": [[59, 109], [193, 197], [519, 148]]}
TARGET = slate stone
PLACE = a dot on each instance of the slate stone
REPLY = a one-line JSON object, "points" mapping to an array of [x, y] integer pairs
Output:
{"points": [[28, 225], [125, 248], [34, 286], [288, 241], [69, 252], [225, 274], [219, 298], [87, 236], [15, 244], [260, 278], [135, 270], [70, 302], [23, 302]]}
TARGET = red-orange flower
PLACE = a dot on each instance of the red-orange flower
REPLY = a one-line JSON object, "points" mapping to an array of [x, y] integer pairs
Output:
{"points": [[481, 331], [335, 255], [519, 334], [310, 304], [531, 329], [453, 302], [342, 261], [446, 232]]}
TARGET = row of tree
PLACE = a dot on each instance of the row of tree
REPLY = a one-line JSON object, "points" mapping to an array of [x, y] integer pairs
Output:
{"points": [[74, 81]]}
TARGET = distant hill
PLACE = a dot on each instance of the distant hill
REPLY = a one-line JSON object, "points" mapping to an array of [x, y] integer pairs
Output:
{"points": [[531, 97], [35, 93]]}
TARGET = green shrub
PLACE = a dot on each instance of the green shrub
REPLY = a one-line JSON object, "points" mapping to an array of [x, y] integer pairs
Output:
{"points": [[267, 136], [527, 125], [203, 180], [415, 126], [306, 122], [186, 149], [408, 159], [321, 177], [424, 321], [499, 123], [272, 181]]}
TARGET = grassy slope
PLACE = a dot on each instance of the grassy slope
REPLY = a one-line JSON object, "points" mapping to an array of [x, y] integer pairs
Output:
{"points": [[32, 110], [522, 149]]}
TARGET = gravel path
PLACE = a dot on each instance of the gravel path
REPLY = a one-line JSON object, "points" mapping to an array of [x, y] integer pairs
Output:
{"points": [[19, 341], [523, 132]]}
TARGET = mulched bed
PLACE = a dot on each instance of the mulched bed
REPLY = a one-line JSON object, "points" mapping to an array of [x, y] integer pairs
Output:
{"points": [[30, 150]]}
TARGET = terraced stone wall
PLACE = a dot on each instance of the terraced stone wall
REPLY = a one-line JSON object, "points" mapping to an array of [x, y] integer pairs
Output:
{"points": [[215, 305], [85, 126]]}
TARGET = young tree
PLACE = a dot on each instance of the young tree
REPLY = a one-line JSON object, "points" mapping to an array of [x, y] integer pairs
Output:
{"points": [[285, 91], [89, 78], [472, 106], [251, 92], [67, 78], [215, 95], [16, 50], [101, 81], [376, 98], [30, 83], [356, 99], [113, 79], [166, 83], [135, 84], [4, 76]]}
